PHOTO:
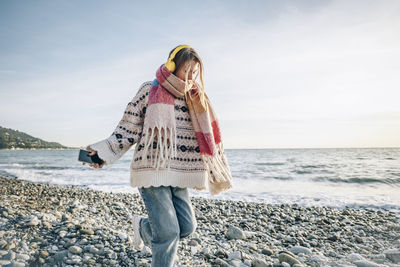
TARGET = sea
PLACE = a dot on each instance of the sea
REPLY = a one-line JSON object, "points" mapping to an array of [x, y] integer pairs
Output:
{"points": [[367, 178]]}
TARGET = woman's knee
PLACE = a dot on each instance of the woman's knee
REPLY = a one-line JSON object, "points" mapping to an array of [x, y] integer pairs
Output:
{"points": [[188, 229], [165, 234]]}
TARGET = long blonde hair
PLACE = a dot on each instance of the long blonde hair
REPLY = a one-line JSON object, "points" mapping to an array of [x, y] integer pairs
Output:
{"points": [[189, 54]]}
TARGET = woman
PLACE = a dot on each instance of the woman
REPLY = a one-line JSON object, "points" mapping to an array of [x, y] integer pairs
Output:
{"points": [[178, 146]]}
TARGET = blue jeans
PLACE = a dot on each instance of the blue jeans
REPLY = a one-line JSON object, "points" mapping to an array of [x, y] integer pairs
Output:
{"points": [[170, 218]]}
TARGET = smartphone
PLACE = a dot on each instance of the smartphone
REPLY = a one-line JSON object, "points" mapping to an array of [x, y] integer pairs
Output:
{"points": [[84, 157]]}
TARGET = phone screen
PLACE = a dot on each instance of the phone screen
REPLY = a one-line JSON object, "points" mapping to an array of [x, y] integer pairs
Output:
{"points": [[84, 156]]}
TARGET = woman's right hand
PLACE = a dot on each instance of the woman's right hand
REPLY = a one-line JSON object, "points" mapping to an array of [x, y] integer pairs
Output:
{"points": [[93, 165]]}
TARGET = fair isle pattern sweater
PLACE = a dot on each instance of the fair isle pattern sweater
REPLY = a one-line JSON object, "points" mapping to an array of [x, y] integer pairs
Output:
{"points": [[187, 168]]}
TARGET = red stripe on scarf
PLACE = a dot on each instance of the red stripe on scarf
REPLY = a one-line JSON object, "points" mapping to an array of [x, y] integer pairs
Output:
{"points": [[204, 141], [158, 95], [216, 132]]}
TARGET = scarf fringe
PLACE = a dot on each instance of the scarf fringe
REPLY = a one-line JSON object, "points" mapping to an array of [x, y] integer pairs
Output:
{"points": [[164, 151], [218, 165]]}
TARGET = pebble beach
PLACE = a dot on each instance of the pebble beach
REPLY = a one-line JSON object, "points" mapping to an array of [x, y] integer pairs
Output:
{"points": [[51, 225]]}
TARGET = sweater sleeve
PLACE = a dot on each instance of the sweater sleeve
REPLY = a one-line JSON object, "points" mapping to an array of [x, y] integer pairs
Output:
{"points": [[128, 131]]}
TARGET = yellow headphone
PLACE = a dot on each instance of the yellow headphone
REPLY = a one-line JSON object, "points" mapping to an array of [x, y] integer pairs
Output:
{"points": [[170, 64]]}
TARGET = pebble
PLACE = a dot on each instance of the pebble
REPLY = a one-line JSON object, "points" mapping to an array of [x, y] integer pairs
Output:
{"points": [[87, 231], [44, 254], [59, 256], [259, 263], [221, 263], [393, 255], [11, 255], [33, 221], [24, 257], [235, 233], [284, 257], [235, 255], [267, 251], [299, 249], [123, 236], [354, 257], [365, 263], [75, 250]]}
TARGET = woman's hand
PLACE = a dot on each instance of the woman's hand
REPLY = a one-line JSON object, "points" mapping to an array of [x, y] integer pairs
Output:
{"points": [[93, 165]]}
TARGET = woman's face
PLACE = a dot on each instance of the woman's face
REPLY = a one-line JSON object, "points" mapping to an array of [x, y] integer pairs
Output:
{"points": [[190, 67]]}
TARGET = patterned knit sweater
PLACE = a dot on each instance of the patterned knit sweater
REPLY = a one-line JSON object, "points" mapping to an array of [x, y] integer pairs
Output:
{"points": [[187, 168]]}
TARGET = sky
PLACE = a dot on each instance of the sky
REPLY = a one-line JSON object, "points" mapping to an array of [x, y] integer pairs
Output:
{"points": [[279, 74]]}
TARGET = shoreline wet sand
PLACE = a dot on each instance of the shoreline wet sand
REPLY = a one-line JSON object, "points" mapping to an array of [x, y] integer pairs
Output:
{"points": [[51, 225]]}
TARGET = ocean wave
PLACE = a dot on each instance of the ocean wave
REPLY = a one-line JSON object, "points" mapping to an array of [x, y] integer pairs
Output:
{"points": [[313, 166], [46, 167], [269, 163], [357, 180]]}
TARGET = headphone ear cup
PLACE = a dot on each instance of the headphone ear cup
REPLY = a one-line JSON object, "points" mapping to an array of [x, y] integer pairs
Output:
{"points": [[170, 65]]}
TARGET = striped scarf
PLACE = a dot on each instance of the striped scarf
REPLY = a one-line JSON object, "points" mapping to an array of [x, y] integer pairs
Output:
{"points": [[160, 127]]}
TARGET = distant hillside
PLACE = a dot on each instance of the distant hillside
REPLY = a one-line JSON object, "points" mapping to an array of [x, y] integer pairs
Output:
{"points": [[10, 139]]}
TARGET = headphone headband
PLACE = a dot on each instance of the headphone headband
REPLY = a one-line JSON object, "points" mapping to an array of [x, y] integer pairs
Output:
{"points": [[170, 64]]}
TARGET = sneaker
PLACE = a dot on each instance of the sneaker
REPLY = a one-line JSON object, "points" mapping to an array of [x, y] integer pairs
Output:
{"points": [[176, 261], [137, 239]]}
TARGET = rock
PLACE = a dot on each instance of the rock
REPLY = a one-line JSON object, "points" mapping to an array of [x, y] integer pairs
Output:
{"points": [[267, 251], [319, 258], [365, 263], [194, 249], [220, 262], [259, 263], [2, 253], [311, 237], [75, 250], [87, 231], [247, 262], [23, 256], [237, 263], [123, 236], [220, 253], [235, 233], [11, 245], [59, 256], [354, 257], [62, 233], [4, 262], [284, 257], [393, 255], [252, 246], [299, 249], [193, 243], [235, 255], [33, 221], [359, 239], [11, 255], [44, 254], [334, 237], [16, 264], [94, 250]]}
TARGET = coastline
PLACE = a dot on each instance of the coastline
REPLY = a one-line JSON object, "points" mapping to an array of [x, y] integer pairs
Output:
{"points": [[50, 225]]}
